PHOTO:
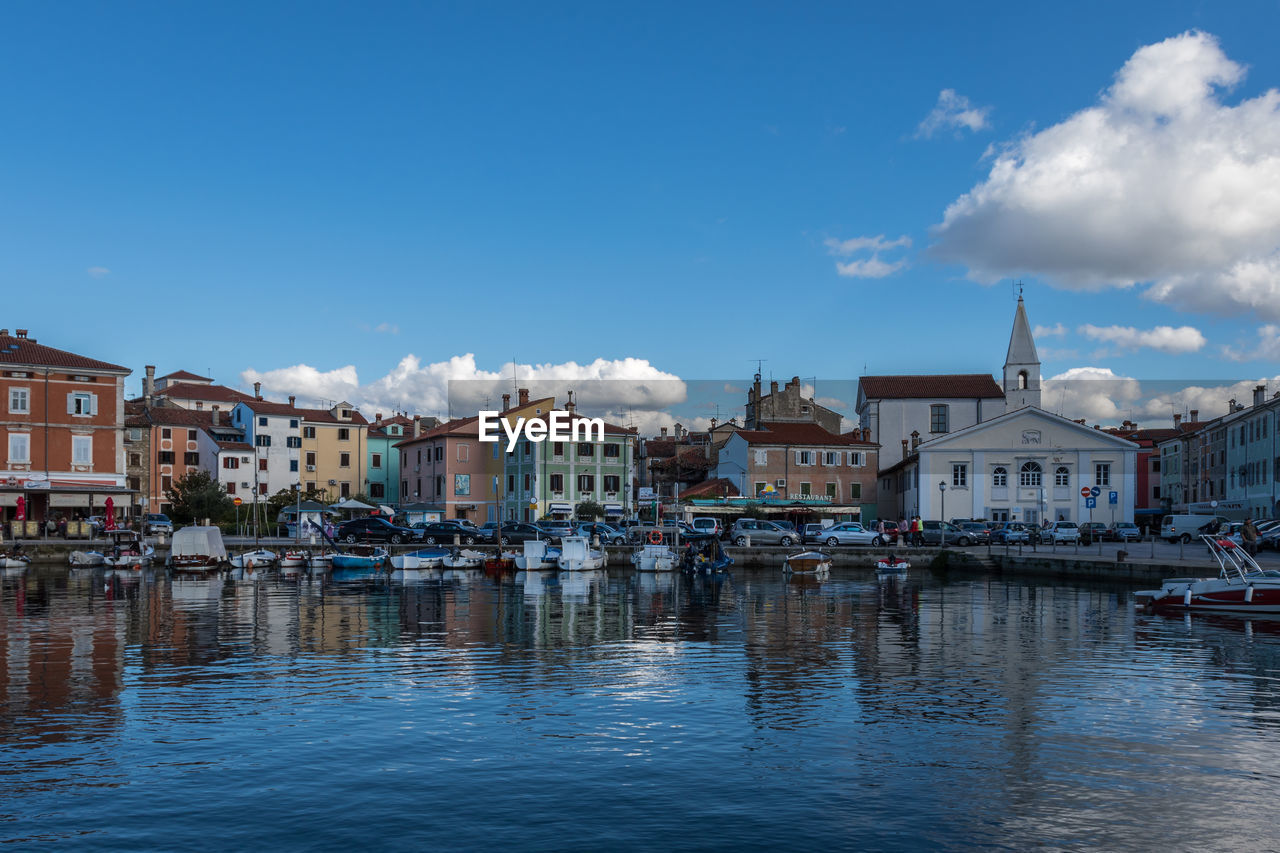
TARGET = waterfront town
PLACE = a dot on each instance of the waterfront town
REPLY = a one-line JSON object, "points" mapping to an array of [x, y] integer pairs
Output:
{"points": [[971, 446]]}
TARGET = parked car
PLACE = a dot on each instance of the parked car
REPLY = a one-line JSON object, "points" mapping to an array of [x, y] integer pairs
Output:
{"points": [[891, 531], [442, 533], [157, 522], [608, 535], [1009, 532], [788, 525], [1061, 532], [519, 532], [374, 529], [761, 533], [708, 525], [812, 533], [1092, 531], [555, 528], [944, 533], [1124, 531], [850, 533], [978, 530]]}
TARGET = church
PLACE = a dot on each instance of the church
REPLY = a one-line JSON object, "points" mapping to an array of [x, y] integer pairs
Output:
{"points": [[961, 446]]}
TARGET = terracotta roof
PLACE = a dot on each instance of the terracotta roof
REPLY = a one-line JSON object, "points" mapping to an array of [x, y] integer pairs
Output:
{"points": [[185, 374], [25, 351], [213, 393], [234, 445], [933, 387], [718, 488], [327, 417], [178, 416], [789, 433]]}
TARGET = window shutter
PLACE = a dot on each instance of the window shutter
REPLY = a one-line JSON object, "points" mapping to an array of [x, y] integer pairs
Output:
{"points": [[93, 404], [71, 404], [798, 457]]}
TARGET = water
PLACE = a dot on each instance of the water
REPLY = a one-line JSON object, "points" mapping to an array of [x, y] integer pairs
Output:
{"points": [[618, 711]]}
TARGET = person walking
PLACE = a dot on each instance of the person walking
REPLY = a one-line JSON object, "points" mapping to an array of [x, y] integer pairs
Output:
{"points": [[903, 536], [917, 532], [1249, 535]]}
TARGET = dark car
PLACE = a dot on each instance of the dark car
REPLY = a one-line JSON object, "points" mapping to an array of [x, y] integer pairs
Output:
{"points": [[443, 533], [979, 531], [608, 535], [374, 529], [1008, 532], [554, 528], [518, 532]]}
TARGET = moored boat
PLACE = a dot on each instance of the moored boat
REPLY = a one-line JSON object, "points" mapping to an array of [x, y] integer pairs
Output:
{"points": [[259, 558], [127, 551], [293, 559], [652, 557], [704, 554], [807, 562], [463, 558], [359, 557], [892, 564], [577, 555], [86, 559], [197, 549], [423, 558], [1242, 586], [537, 555], [14, 559]]}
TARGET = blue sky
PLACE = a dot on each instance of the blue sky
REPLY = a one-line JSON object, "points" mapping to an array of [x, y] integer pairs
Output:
{"points": [[311, 193]]}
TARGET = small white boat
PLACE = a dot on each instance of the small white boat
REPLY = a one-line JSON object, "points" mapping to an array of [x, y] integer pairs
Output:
{"points": [[14, 560], [537, 556], [576, 555], [197, 550], [1242, 586], [127, 551], [423, 558], [257, 559], [463, 558], [360, 557], [655, 558], [320, 561], [293, 559], [86, 559], [892, 565], [807, 562]]}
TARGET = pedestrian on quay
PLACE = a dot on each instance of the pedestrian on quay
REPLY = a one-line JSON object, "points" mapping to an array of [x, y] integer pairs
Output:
{"points": [[902, 531], [1249, 534], [917, 532]]}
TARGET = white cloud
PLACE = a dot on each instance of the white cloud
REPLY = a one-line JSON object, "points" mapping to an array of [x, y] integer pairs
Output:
{"points": [[1159, 182], [1268, 347], [98, 272], [871, 267], [1055, 331], [1166, 339], [1100, 396], [954, 111], [1096, 394], [387, 328]]}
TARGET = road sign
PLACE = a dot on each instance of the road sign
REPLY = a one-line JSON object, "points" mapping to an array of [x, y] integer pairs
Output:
{"points": [[237, 501], [1090, 503], [1113, 498], [1094, 492], [1085, 491]]}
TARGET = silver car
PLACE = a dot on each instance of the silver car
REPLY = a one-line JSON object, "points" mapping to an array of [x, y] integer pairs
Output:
{"points": [[760, 533], [851, 533]]}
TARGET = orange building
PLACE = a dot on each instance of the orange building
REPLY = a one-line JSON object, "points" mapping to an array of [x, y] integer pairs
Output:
{"points": [[61, 430]]}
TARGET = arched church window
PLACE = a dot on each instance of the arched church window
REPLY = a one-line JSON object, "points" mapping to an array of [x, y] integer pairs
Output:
{"points": [[1062, 476], [1023, 379], [1029, 474], [999, 476]]}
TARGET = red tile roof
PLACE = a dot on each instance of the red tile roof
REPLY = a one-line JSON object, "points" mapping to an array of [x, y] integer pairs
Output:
{"points": [[933, 387], [178, 416], [234, 445], [718, 488], [213, 393], [811, 434], [26, 352], [186, 374]]}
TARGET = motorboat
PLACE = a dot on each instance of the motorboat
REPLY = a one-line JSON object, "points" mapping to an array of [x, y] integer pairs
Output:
{"points": [[537, 555], [86, 559], [294, 558], [359, 557], [259, 558], [463, 558], [577, 555], [197, 549], [320, 561], [127, 551], [704, 554], [423, 558], [502, 561], [892, 564], [655, 557], [1242, 586], [807, 562], [14, 559]]}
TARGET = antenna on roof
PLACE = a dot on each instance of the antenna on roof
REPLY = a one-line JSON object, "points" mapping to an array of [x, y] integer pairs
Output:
{"points": [[759, 366]]}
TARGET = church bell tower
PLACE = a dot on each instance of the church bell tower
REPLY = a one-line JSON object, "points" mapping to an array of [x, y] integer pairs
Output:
{"points": [[1021, 365]]}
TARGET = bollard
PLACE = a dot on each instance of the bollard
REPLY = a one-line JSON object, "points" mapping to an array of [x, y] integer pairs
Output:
{"points": [[1153, 546], [747, 544], [457, 539]]}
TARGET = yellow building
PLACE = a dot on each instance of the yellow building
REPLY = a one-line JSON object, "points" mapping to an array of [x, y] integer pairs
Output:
{"points": [[334, 451]]}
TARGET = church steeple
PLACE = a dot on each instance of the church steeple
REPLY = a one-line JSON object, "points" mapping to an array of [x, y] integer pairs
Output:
{"points": [[1021, 365]]}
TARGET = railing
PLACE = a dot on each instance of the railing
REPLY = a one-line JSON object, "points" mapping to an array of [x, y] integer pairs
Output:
{"points": [[1233, 560]]}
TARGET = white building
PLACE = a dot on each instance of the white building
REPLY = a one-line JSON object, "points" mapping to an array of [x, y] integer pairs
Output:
{"points": [[274, 432], [1027, 465]]}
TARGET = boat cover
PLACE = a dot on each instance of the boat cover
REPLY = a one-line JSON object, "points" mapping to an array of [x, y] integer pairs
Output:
{"points": [[198, 542]]}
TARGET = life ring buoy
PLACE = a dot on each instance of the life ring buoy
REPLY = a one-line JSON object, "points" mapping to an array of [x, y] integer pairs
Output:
{"points": [[655, 537]]}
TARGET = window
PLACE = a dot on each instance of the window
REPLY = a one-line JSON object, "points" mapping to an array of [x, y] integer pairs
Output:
{"points": [[960, 476], [191, 435], [855, 491], [292, 441], [528, 447], [230, 462], [586, 449], [262, 421], [557, 448], [135, 460], [1155, 493], [831, 492], [81, 449], [612, 451], [938, 418], [293, 464], [557, 482], [804, 457], [611, 482], [376, 461], [806, 488], [19, 401], [439, 452], [1022, 380], [311, 459], [857, 458], [344, 460], [164, 457], [1000, 476], [376, 490], [831, 457], [1155, 466], [1062, 476], [262, 440], [586, 483], [760, 487], [165, 433], [82, 403], [262, 488], [191, 459], [462, 484], [166, 484], [762, 457], [511, 483], [1102, 474], [19, 447], [780, 485], [135, 434], [308, 432], [464, 452], [527, 482], [1029, 474], [262, 464], [344, 434]]}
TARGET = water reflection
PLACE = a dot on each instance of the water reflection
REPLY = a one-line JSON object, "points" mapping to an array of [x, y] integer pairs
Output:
{"points": [[913, 711]]}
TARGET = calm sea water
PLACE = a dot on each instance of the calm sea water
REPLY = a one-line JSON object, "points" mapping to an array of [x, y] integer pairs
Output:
{"points": [[617, 711]]}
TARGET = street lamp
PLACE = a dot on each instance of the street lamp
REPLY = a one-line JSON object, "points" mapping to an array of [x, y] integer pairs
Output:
{"points": [[942, 493]]}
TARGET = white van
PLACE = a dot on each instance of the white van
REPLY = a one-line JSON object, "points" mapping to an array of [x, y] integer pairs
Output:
{"points": [[708, 525], [1186, 527]]}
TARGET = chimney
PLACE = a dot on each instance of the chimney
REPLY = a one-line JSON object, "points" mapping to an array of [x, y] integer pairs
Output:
{"points": [[292, 400], [1195, 415], [680, 432], [1259, 393], [21, 333], [915, 439], [713, 423], [149, 385], [523, 396], [664, 432], [417, 425], [377, 420], [905, 452], [568, 407], [506, 402], [1177, 419], [773, 387], [1231, 405], [257, 390]]}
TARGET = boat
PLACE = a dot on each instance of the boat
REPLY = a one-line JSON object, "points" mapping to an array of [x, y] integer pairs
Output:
{"points": [[892, 564], [577, 555], [463, 558], [503, 561], [259, 558], [14, 559], [537, 555], [423, 558], [127, 551], [197, 549], [807, 562], [86, 559], [704, 554], [320, 561], [359, 557], [294, 558], [655, 557], [1242, 586]]}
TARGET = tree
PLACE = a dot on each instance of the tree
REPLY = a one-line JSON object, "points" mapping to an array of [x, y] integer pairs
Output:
{"points": [[196, 496], [588, 510]]}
